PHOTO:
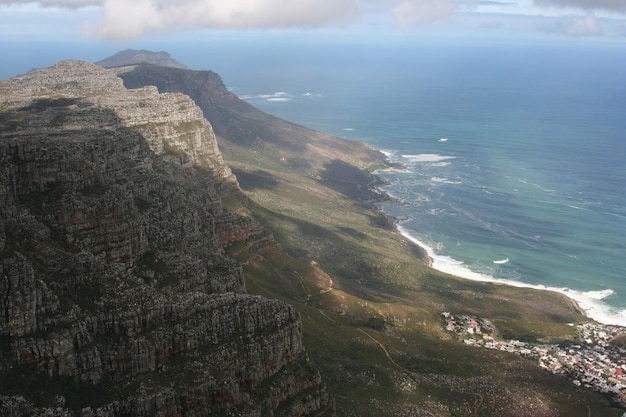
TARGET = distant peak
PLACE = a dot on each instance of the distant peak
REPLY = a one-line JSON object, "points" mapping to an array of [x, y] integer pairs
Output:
{"points": [[134, 56]]}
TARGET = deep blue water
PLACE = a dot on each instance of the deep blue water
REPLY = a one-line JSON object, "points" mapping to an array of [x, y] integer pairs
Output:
{"points": [[512, 152]]}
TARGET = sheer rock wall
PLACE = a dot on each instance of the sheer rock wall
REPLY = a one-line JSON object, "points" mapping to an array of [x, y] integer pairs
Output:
{"points": [[116, 297]]}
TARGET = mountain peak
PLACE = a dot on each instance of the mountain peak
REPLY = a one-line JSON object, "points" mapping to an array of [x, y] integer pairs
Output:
{"points": [[134, 56]]}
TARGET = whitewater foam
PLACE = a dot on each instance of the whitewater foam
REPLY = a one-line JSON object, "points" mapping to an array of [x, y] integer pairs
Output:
{"points": [[599, 295], [443, 180], [590, 302], [539, 186], [277, 96], [427, 157]]}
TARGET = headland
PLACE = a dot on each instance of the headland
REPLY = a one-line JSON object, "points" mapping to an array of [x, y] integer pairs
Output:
{"points": [[347, 269], [298, 246]]}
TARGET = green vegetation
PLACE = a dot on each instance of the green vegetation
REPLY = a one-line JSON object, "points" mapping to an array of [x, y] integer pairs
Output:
{"points": [[189, 126], [371, 307], [172, 150], [28, 382], [535, 331]]}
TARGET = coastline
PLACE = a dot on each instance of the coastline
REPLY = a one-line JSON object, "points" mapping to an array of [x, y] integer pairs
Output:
{"points": [[574, 304], [579, 301]]}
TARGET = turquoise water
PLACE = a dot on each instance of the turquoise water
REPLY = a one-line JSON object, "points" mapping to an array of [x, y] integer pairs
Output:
{"points": [[513, 154]]}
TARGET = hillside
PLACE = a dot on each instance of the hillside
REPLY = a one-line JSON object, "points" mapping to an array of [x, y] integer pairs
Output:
{"points": [[117, 297], [168, 250], [370, 304]]}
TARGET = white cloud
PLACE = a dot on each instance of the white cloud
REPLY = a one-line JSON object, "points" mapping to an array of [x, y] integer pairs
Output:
{"points": [[583, 26], [124, 19], [411, 12], [131, 19]]}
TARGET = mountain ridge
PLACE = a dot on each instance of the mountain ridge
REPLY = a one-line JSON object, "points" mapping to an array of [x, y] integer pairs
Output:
{"points": [[117, 295], [311, 236], [317, 196], [135, 56]]}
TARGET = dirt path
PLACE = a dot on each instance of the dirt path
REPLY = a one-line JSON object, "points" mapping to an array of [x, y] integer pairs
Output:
{"points": [[480, 402], [383, 348]]}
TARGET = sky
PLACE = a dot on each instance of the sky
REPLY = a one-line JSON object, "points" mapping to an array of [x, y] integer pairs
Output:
{"points": [[124, 21], [34, 34]]}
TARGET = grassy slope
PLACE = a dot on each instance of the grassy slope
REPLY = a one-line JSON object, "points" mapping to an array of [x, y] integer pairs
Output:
{"points": [[331, 238], [369, 304]]}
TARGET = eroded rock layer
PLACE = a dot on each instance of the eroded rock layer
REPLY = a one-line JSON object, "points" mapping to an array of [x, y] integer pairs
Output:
{"points": [[116, 297]]}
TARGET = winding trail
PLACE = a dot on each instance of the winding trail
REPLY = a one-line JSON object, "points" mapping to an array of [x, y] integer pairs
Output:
{"points": [[481, 399], [383, 348]]}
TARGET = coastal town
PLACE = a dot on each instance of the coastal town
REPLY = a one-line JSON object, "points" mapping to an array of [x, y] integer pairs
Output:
{"points": [[592, 361]]}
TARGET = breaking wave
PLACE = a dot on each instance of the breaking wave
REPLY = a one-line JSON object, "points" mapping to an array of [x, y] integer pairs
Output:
{"points": [[427, 157], [589, 301]]}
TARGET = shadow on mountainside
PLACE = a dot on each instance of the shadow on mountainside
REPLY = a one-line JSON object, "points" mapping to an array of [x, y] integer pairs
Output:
{"points": [[230, 116], [320, 212], [116, 291], [354, 183], [259, 179], [241, 124]]}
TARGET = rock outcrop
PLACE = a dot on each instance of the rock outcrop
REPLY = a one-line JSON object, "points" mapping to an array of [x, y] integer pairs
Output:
{"points": [[238, 123], [116, 296]]}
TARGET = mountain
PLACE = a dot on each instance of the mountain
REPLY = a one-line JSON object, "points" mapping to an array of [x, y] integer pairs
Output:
{"points": [[118, 298], [134, 56], [239, 124], [371, 307], [167, 256]]}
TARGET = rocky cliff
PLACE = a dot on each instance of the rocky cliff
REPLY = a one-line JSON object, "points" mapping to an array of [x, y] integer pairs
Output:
{"points": [[372, 307], [116, 296], [237, 123]]}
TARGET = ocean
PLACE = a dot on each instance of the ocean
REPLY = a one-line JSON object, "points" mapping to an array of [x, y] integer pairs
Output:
{"points": [[513, 152], [513, 155]]}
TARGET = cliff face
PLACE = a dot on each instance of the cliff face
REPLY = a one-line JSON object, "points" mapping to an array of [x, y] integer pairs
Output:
{"points": [[238, 123], [116, 297]]}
